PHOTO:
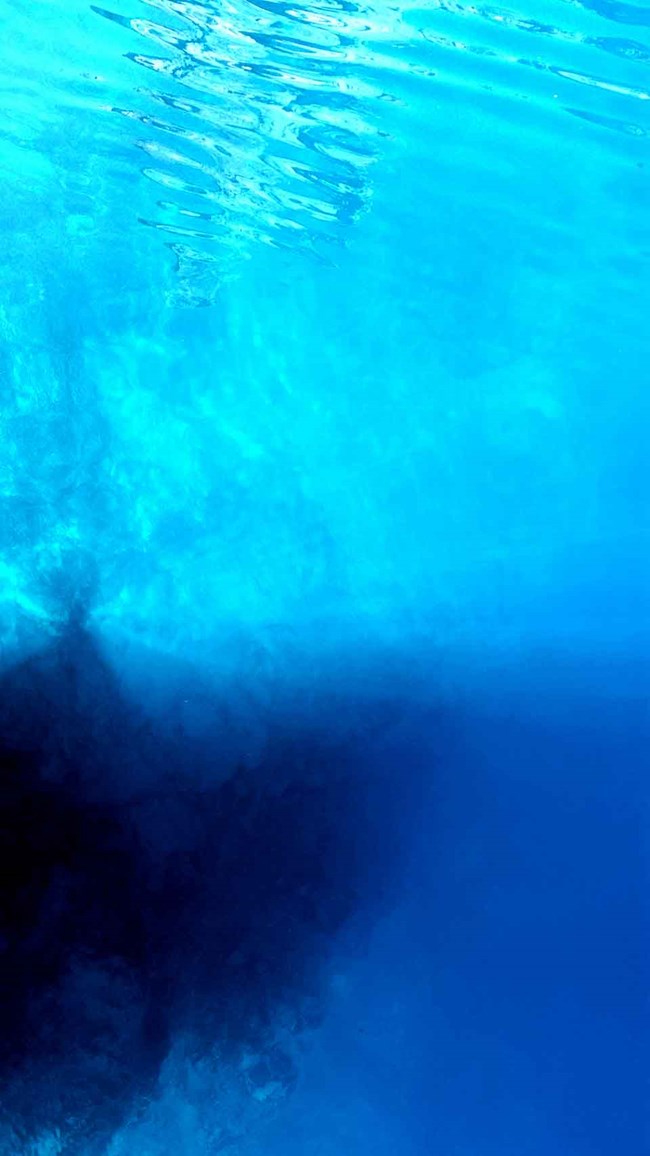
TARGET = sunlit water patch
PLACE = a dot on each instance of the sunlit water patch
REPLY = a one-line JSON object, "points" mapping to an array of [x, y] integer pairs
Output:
{"points": [[157, 155], [262, 122]]}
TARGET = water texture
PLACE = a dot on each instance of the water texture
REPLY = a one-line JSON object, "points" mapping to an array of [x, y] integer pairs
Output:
{"points": [[324, 578]]}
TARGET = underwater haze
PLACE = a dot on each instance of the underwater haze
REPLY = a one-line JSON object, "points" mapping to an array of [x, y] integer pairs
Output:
{"points": [[324, 578]]}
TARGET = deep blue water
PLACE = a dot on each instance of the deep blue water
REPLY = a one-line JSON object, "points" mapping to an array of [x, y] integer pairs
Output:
{"points": [[324, 578]]}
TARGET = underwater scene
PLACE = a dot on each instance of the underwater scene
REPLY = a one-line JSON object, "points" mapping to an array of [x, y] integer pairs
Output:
{"points": [[324, 578]]}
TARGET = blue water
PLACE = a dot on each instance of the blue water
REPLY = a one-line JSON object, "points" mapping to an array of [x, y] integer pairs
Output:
{"points": [[324, 578]]}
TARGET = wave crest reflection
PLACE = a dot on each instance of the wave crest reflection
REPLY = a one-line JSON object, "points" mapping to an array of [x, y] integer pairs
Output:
{"points": [[253, 120]]}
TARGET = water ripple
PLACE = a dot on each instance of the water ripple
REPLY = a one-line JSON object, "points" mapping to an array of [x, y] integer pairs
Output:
{"points": [[261, 121]]}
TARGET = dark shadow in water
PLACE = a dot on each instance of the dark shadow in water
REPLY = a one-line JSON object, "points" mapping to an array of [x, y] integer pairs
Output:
{"points": [[127, 917]]}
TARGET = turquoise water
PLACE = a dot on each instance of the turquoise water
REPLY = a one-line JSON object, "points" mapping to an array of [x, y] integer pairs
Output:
{"points": [[324, 368]]}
